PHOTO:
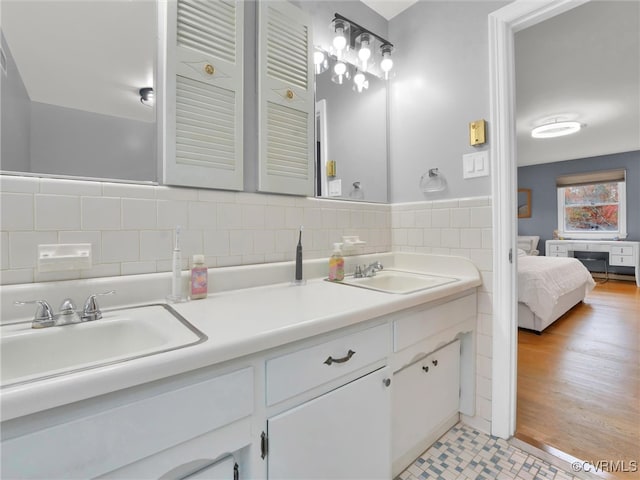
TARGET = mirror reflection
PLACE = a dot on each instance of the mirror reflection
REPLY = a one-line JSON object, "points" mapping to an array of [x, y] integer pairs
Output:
{"points": [[72, 74]]}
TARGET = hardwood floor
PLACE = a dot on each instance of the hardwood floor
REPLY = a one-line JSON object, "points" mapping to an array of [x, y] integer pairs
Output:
{"points": [[579, 382]]}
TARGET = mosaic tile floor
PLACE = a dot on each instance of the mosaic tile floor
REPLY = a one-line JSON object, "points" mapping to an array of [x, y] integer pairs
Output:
{"points": [[465, 454]]}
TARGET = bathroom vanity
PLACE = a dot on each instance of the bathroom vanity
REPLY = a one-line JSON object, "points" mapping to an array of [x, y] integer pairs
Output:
{"points": [[322, 380]]}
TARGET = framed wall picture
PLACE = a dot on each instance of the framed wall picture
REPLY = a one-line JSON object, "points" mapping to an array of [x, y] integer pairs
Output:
{"points": [[524, 203]]}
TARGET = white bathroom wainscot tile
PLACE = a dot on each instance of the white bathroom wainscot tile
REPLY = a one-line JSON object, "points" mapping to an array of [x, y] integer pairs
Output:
{"points": [[357, 219], [210, 261], [102, 270], [320, 242], [252, 259], [485, 323], [423, 218], [482, 258], [286, 241], [471, 238], [400, 237], [229, 261], [216, 243], [441, 218], [120, 246], [460, 252], [370, 219], [441, 251], [137, 268], [229, 215], [14, 277], [138, 214], [329, 218], [460, 217], [293, 217], [415, 237], [59, 186], [481, 217], [383, 219], [241, 242], [407, 219], [17, 184], [94, 238], [264, 242], [485, 303], [484, 345], [343, 218], [474, 201], [487, 281], [274, 216], [217, 196], [274, 257], [202, 215], [483, 368], [484, 387], [312, 218], [191, 243], [56, 276], [124, 190], [23, 247], [172, 213], [445, 204], [281, 200], [253, 216], [423, 249], [4, 248], [483, 407], [167, 265], [251, 198], [158, 245], [57, 212], [17, 211], [431, 237], [101, 213], [176, 193], [487, 238], [450, 238]]}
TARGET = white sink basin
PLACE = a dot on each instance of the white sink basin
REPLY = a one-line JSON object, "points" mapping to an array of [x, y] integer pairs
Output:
{"points": [[397, 281], [124, 334]]}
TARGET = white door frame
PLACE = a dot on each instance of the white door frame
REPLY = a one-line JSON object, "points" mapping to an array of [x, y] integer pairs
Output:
{"points": [[503, 24]]}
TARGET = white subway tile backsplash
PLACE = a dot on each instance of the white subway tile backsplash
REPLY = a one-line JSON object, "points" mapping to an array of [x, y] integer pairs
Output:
{"points": [[471, 238], [124, 190], [293, 217], [137, 268], [23, 247], [343, 218], [138, 214], [4, 248], [217, 196], [441, 218], [59, 186], [17, 211], [329, 218], [202, 216], [241, 242], [94, 238], [485, 303], [320, 242], [450, 237], [415, 237], [407, 219], [481, 217], [172, 213], [449, 203], [157, 245], [474, 201], [286, 241], [102, 270], [274, 216], [216, 243], [460, 217], [120, 246], [229, 215], [253, 216], [56, 276], [15, 277], [57, 212], [264, 242], [101, 213], [423, 218], [15, 184], [176, 193]]}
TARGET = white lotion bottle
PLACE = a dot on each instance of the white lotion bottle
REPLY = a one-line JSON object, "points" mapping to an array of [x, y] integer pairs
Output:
{"points": [[176, 271]]}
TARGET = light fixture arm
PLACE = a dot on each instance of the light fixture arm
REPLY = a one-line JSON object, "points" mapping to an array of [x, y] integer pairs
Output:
{"points": [[357, 29]]}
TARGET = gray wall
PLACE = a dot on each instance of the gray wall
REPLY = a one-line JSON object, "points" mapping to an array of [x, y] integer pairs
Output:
{"points": [[442, 84], [541, 179], [16, 118], [67, 141]]}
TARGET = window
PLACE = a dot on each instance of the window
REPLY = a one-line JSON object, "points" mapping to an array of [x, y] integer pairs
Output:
{"points": [[592, 205]]}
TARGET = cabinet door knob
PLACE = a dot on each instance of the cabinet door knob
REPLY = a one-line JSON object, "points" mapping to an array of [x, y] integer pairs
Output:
{"points": [[209, 69], [426, 368], [346, 358], [386, 382], [435, 363]]}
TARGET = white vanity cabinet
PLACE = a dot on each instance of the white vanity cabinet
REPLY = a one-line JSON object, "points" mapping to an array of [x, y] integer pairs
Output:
{"points": [[169, 429], [426, 399], [344, 430]]}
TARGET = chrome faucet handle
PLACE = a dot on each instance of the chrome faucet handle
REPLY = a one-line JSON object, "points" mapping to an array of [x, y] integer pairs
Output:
{"points": [[67, 306], [67, 313], [43, 317], [358, 272], [91, 311]]}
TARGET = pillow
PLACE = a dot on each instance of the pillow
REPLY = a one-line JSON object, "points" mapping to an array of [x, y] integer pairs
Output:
{"points": [[522, 253]]}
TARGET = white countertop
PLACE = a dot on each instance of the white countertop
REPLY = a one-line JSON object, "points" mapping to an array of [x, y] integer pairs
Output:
{"points": [[242, 322]]}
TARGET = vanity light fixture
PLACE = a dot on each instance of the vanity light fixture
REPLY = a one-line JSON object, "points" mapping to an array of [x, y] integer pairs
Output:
{"points": [[354, 45], [556, 129], [320, 61], [147, 96]]}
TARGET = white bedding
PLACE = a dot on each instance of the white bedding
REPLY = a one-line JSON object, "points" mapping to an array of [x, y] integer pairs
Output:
{"points": [[542, 280]]}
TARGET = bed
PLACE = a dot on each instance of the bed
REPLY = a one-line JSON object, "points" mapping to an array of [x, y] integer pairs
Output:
{"points": [[548, 287]]}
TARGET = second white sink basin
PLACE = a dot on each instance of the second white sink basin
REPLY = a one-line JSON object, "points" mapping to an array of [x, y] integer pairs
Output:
{"points": [[124, 334], [397, 281]]}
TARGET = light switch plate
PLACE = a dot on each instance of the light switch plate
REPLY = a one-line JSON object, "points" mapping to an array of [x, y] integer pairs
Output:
{"points": [[475, 164], [335, 188]]}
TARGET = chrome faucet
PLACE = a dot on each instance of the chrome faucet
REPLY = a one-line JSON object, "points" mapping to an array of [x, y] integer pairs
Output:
{"points": [[67, 315], [368, 270]]}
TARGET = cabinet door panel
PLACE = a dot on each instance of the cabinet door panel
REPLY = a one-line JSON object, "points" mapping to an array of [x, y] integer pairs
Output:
{"points": [[342, 434]]}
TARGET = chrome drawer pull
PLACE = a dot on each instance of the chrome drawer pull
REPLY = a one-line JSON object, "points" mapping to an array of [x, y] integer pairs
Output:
{"points": [[331, 360]]}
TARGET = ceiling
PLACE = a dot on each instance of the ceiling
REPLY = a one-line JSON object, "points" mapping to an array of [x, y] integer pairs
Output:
{"points": [[389, 8], [88, 55], [584, 65]]}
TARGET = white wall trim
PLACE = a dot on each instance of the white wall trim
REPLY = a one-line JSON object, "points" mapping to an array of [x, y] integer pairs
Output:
{"points": [[503, 24]]}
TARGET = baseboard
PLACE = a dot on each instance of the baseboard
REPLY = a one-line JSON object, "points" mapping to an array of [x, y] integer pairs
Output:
{"points": [[614, 276]]}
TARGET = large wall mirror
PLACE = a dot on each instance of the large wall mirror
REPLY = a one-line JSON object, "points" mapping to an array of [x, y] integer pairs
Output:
{"points": [[71, 80], [71, 77]]}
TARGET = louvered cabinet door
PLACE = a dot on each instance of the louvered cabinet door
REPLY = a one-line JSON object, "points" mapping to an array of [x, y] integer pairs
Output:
{"points": [[286, 99], [204, 65]]}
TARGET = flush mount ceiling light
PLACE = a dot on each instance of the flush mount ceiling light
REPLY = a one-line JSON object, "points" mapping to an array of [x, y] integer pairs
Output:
{"points": [[147, 96], [556, 129]]}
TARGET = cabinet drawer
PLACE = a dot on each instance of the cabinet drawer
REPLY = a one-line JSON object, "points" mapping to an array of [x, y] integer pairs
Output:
{"points": [[302, 370], [419, 324], [555, 248], [618, 250], [129, 432], [626, 260]]}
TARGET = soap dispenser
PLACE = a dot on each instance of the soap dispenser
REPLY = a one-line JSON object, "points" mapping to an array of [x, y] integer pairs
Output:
{"points": [[336, 264]]}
